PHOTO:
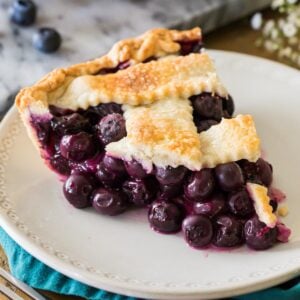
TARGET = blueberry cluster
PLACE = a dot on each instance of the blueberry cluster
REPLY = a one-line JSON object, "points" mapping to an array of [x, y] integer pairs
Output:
{"points": [[23, 13], [210, 206]]}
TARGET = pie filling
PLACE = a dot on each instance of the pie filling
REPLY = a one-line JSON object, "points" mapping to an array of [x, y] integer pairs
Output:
{"points": [[212, 206], [226, 205]]}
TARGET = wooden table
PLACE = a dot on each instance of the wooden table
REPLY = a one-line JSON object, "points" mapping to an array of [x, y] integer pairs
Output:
{"points": [[237, 37]]}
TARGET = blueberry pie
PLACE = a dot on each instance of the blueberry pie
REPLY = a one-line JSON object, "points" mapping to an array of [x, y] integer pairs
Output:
{"points": [[151, 125]]}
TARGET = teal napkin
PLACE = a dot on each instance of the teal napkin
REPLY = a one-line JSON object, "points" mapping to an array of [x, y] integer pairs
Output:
{"points": [[45, 278]]}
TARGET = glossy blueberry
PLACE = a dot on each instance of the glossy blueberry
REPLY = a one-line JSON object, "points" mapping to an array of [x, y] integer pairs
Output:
{"points": [[60, 164], [240, 204], [229, 176], [109, 202], [228, 232], [187, 47], [43, 131], [23, 12], [204, 125], [197, 230], [200, 185], [77, 147], [107, 178], [228, 106], [165, 217], [69, 124], [258, 236], [214, 206], [135, 169], [274, 205], [265, 172], [207, 106], [169, 175], [114, 165], [111, 128], [46, 40], [138, 191], [250, 171], [77, 190], [96, 113], [170, 191]]}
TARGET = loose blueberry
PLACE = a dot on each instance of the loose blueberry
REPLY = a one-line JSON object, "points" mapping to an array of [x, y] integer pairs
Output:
{"points": [[229, 176], [135, 169], [23, 12], [240, 204], [77, 190], [114, 165], [207, 106], [228, 232], [169, 175], [69, 124], [204, 125], [60, 164], [111, 128], [214, 206], [200, 185], [165, 217], [197, 230], [138, 191], [109, 202], [107, 178], [258, 235], [77, 147], [46, 40]]}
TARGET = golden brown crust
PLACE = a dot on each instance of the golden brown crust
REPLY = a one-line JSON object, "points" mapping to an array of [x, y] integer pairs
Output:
{"points": [[156, 42]]}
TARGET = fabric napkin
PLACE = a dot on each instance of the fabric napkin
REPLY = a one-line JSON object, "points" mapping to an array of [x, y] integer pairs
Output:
{"points": [[43, 277]]}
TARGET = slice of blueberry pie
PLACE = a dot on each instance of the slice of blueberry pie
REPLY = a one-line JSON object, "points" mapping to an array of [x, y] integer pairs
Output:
{"points": [[151, 125]]}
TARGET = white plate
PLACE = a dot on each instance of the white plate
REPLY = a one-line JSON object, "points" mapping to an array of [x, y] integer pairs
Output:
{"points": [[122, 254]]}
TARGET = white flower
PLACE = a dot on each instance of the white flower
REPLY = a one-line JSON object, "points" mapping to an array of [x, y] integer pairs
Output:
{"points": [[289, 30], [270, 46], [277, 3], [291, 1], [268, 27], [274, 33], [256, 21]]}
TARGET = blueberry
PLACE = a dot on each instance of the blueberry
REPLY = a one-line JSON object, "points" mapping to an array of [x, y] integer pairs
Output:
{"points": [[69, 124], [77, 190], [109, 202], [229, 176], [187, 47], [265, 171], [258, 235], [165, 217], [214, 206], [250, 171], [240, 204], [111, 128], [60, 164], [228, 232], [139, 191], [274, 205], [107, 178], [170, 191], [23, 12], [200, 185], [46, 40], [135, 169], [114, 165], [197, 230], [207, 106], [77, 147], [43, 131], [96, 113], [228, 106], [169, 175], [204, 125]]}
